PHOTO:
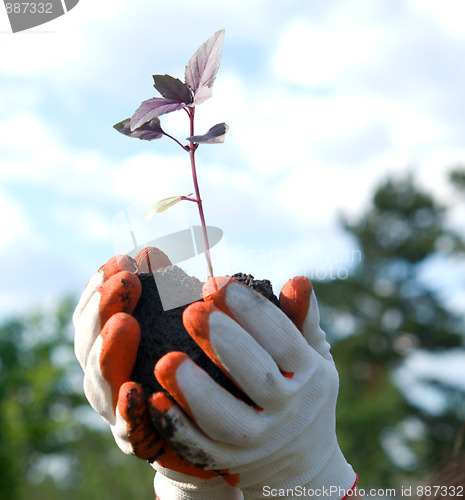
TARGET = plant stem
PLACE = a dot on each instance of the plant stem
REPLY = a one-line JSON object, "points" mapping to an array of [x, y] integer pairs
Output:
{"points": [[192, 149], [175, 140]]}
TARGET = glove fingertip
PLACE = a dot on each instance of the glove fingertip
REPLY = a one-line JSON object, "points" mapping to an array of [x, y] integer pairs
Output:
{"points": [[120, 342], [159, 406], [213, 288], [145, 441], [150, 259], [215, 291], [160, 403], [196, 320], [166, 373], [117, 264], [131, 399], [120, 293], [294, 299]]}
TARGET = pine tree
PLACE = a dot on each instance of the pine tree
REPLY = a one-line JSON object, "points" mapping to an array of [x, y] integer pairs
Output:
{"points": [[389, 313]]}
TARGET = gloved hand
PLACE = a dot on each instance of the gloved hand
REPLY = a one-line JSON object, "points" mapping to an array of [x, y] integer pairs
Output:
{"points": [[281, 360], [106, 343]]}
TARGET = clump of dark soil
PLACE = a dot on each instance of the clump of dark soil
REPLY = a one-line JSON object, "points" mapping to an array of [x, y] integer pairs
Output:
{"points": [[162, 331], [261, 286]]}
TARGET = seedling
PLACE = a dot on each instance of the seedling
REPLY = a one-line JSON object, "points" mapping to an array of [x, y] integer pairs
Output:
{"points": [[200, 74]]}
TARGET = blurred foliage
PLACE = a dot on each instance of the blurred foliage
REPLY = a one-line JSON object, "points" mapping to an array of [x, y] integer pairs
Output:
{"points": [[457, 177], [377, 318], [50, 444]]}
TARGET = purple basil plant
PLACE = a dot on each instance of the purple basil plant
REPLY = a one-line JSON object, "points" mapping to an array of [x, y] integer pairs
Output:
{"points": [[200, 74]]}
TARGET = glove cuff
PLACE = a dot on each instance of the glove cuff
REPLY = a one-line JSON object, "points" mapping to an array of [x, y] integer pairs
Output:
{"points": [[335, 482], [171, 485]]}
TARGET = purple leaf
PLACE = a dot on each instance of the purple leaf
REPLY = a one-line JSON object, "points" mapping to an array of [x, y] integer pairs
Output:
{"points": [[152, 108], [214, 135], [148, 131], [172, 88], [202, 67]]}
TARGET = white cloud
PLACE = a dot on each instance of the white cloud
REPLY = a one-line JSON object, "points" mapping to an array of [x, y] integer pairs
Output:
{"points": [[293, 154], [37, 53], [315, 192], [315, 55], [447, 368], [56, 47], [151, 177], [447, 14], [34, 154], [117, 44], [29, 148], [87, 224], [15, 226]]}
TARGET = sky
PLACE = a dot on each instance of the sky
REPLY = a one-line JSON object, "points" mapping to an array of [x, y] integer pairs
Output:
{"points": [[323, 100]]}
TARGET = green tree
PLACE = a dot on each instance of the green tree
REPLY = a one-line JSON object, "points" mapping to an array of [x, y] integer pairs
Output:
{"points": [[47, 447], [376, 318]]}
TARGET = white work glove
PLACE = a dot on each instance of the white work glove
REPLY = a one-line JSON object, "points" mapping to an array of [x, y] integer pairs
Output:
{"points": [[281, 360], [106, 343]]}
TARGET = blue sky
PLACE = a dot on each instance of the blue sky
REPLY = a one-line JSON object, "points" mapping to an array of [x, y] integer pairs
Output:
{"points": [[323, 99]]}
